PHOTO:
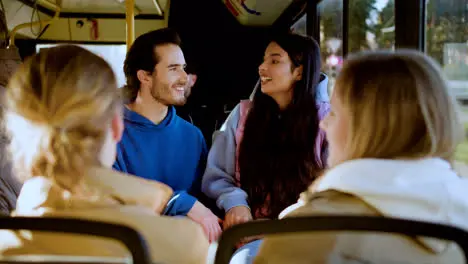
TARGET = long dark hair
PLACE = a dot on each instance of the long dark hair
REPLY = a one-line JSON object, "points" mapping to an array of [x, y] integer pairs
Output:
{"points": [[277, 159]]}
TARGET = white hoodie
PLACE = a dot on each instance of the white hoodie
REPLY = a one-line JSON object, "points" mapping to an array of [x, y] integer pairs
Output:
{"points": [[426, 190]]}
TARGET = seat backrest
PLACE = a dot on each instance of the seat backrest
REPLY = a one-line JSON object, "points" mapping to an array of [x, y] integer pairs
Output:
{"points": [[124, 234], [233, 235], [53, 259]]}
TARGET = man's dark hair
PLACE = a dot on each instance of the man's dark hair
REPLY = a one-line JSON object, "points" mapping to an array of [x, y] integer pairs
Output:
{"points": [[141, 56]]}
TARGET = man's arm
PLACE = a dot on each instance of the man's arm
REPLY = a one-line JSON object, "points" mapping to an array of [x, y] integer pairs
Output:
{"points": [[180, 204], [183, 201], [201, 211]]}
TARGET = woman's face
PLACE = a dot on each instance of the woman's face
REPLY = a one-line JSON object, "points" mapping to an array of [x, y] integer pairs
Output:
{"points": [[336, 126], [278, 75]]}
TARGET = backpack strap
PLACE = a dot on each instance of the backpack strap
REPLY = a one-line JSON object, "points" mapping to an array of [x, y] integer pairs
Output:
{"points": [[321, 149], [244, 110]]}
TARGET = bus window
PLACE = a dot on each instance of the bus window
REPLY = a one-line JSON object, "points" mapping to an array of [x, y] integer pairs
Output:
{"points": [[447, 42], [113, 54], [371, 25], [331, 37]]}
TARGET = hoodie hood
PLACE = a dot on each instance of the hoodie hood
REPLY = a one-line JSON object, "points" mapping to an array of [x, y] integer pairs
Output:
{"points": [[140, 121], [100, 188], [321, 93], [425, 190]]}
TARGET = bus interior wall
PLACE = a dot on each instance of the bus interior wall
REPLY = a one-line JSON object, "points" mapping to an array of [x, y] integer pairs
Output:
{"points": [[224, 54]]}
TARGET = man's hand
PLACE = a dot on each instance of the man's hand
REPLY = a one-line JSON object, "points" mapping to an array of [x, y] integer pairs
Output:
{"points": [[210, 222], [237, 215]]}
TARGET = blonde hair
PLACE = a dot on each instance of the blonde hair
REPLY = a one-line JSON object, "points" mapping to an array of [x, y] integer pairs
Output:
{"points": [[59, 106], [399, 106]]}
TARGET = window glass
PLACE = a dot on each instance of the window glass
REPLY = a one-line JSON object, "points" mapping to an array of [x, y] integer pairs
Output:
{"points": [[371, 25], [331, 38], [447, 42]]}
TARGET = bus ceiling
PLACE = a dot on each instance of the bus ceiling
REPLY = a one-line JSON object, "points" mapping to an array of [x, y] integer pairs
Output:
{"points": [[84, 21], [257, 12], [116, 21]]}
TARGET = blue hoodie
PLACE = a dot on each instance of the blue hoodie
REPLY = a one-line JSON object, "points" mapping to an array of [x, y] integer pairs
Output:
{"points": [[172, 152]]}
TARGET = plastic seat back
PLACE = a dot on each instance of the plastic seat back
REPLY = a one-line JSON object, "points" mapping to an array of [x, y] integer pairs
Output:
{"points": [[233, 235], [129, 237]]}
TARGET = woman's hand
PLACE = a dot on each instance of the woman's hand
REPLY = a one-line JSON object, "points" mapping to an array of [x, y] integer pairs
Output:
{"points": [[237, 215]]}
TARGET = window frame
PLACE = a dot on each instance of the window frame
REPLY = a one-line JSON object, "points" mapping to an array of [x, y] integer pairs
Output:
{"points": [[410, 17]]}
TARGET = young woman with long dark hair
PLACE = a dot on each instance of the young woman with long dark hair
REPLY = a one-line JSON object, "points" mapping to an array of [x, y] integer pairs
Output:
{"points": [[271, 147]]}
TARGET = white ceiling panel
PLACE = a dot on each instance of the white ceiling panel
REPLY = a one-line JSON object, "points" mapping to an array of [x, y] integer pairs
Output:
{"points": [[108, 6], [257, 12]]}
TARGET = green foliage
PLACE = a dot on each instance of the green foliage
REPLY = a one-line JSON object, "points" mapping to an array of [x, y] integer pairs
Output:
{"points": [[359, 24], [386, 20]]}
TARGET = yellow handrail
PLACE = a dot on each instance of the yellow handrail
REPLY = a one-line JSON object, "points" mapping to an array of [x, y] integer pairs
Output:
{"points": [[166, 13], [30, 24], [130, 21], [157, 6]]}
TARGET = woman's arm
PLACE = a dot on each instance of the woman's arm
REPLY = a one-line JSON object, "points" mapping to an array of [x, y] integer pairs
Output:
{"points": [[219, 178]]}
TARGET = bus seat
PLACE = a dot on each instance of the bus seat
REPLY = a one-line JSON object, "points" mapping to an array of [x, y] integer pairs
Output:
{"points": [[231, 236], [129, 237]]}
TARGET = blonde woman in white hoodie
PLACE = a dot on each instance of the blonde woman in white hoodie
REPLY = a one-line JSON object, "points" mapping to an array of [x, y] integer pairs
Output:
{"points": [[392, 131]]}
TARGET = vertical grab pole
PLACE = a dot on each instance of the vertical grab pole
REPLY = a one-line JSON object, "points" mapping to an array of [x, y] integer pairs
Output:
{"points": [[130, 21]]}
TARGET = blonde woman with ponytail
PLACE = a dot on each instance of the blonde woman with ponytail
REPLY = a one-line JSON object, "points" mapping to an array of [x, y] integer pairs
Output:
{"points": [[63, 112]]}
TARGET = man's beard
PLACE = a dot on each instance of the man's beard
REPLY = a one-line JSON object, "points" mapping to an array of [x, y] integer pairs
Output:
{"points": [[164, 96]]}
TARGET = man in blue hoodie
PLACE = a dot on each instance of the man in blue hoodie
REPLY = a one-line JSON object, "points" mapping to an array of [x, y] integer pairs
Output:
{"points": [[157, 144]]}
